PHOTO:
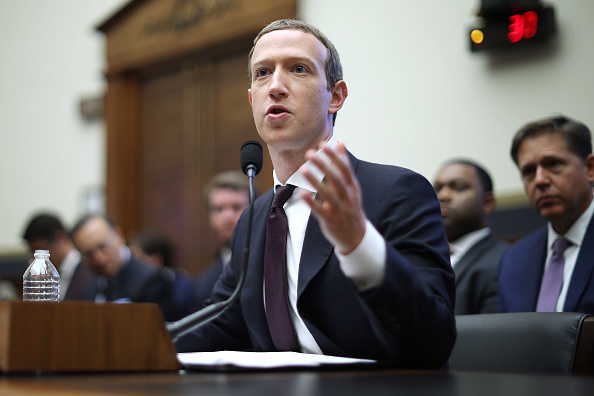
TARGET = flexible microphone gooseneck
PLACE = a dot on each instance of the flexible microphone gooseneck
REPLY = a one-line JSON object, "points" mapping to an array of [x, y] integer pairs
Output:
{"points": [[251, 164]]}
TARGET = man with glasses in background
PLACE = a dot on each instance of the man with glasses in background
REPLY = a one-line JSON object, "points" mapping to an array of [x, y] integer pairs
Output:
{"points": [[121, 276]]}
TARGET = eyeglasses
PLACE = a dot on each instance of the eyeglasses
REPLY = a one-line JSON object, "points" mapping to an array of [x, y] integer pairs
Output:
{"points": [[101, 247]]}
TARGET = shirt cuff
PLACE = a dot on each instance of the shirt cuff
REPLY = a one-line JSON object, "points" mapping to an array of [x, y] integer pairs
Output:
{"points": [[365, 265]]}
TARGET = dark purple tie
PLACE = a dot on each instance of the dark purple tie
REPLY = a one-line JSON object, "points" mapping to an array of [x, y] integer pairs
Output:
{"points": [[275, 274], [552, 281]]}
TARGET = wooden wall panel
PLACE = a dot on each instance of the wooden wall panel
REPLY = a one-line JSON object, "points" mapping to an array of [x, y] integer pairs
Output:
{"points": [[177, 111]]}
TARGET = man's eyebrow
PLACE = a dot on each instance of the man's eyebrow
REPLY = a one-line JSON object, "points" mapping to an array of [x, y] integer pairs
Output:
{"points": [[291, 59], [551, 157]]}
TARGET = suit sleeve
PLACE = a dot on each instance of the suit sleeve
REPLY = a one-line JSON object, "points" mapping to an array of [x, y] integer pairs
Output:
{"points": [[416, 299]]}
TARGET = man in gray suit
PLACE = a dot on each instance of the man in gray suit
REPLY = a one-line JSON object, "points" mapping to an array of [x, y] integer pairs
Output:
{"points": [[465, 193]]}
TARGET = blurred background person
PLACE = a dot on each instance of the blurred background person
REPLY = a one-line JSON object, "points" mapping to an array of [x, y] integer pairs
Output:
{"points": [[122, 277], [465, 193], [45, 231], [154, 247], [227, 195], [8, 291]]}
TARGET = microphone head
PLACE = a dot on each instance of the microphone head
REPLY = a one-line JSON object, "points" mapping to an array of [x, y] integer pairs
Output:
{"points": [[251, 154]]}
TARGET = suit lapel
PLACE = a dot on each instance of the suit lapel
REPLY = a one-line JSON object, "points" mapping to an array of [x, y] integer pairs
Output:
{"points": [[536, 254], [252, 295], [315, 253], [316, 248], [581, 272], [471, 256]]}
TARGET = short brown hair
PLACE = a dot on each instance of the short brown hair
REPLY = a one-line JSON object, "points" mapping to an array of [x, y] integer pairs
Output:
{"points": [[575, 134], [333, 67], [232, 180]]}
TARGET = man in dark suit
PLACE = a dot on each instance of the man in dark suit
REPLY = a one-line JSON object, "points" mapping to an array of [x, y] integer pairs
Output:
{"points": [[465, 193], [366, 259], [227, 195], [45, 231], [155, 248], [121, 276], [552, 269]]}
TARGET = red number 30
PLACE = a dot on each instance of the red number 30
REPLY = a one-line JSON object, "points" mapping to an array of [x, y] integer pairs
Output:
{"points": [[522, 26]]}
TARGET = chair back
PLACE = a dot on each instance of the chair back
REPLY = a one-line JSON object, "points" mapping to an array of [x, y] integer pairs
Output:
{"points": [[525, 342]]}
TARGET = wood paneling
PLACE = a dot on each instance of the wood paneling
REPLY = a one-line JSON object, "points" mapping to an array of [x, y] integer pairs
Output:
{"points": [[148, 31], [177, 111]]}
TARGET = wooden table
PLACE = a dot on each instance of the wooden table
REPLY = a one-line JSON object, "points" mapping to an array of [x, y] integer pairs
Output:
{"points": [[298, 383]]}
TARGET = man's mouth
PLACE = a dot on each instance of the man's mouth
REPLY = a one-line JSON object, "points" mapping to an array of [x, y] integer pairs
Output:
{"points": [[276, 110], [546, 200]]}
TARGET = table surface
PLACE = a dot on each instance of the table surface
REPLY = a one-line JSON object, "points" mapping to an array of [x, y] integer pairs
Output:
{"points": [[298, 383]]}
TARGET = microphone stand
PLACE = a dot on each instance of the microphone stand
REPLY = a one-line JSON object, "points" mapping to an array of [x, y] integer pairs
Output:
{"points": [[206, 314]]}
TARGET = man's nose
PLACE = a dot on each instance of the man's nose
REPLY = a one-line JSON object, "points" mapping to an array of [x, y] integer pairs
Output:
{"points": [[278, 85], [542, 177], [443, 194]]}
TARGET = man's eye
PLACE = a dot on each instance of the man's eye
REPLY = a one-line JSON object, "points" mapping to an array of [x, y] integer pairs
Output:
{"points": [[459, 187], [555, 165], [527, 172]]}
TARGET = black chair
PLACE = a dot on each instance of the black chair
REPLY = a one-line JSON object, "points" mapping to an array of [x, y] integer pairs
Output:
{"points": [[525, 342]]}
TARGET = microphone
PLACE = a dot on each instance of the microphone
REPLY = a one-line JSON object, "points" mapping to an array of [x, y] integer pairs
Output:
{"points": [[251, 164], [251, 158]]}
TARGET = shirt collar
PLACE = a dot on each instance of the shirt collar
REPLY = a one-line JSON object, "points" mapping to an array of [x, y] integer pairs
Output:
{"points": [[576, 233], [465, 242], [68, 265], [297, 178]]}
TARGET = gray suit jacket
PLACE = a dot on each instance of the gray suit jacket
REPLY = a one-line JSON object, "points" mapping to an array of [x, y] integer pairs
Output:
{"points": [[476, 277]]}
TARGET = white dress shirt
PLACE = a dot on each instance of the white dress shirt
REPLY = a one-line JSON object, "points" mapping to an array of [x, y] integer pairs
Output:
{"points": [[463, 244], [575, 235], [365, 265]]}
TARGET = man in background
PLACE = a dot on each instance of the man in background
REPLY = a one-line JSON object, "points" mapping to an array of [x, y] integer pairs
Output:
{"points": [[121, 276], [155, 248], [227, 196], [552, 269], [465, 193], [45, 231]]}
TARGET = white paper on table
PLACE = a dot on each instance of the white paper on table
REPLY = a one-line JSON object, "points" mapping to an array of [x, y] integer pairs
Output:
{"points": [[263, 360]]}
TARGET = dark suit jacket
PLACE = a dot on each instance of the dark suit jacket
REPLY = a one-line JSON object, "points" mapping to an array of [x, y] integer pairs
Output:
{"points": [[521, 269], [138, 282], [476, 277], [204, 284], [82, 276], [407, 320]]}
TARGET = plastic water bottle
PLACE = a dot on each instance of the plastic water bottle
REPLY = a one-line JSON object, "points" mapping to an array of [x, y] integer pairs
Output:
{"points": [[41, 281]]}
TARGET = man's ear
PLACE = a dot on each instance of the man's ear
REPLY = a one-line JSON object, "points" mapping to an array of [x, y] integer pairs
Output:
{"points": [[339, 94], [120, 234], [589, 163], [488, 202]]}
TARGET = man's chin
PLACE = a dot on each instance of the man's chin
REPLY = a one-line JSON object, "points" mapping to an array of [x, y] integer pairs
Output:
{"points": [[550, 212]]}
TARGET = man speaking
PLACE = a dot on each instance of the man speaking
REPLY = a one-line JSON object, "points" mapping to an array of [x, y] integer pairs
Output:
{"points": [[348, 258]]}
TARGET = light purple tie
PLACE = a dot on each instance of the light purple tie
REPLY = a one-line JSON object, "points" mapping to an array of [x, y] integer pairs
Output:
{"points": [[552, 281], [275, 274]]}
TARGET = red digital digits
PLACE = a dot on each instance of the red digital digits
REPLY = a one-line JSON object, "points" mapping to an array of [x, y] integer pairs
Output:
{"points": [[522, 26]]}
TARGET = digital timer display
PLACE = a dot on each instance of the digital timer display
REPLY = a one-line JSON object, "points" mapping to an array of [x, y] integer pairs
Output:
{"points": [[509, 28]]}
